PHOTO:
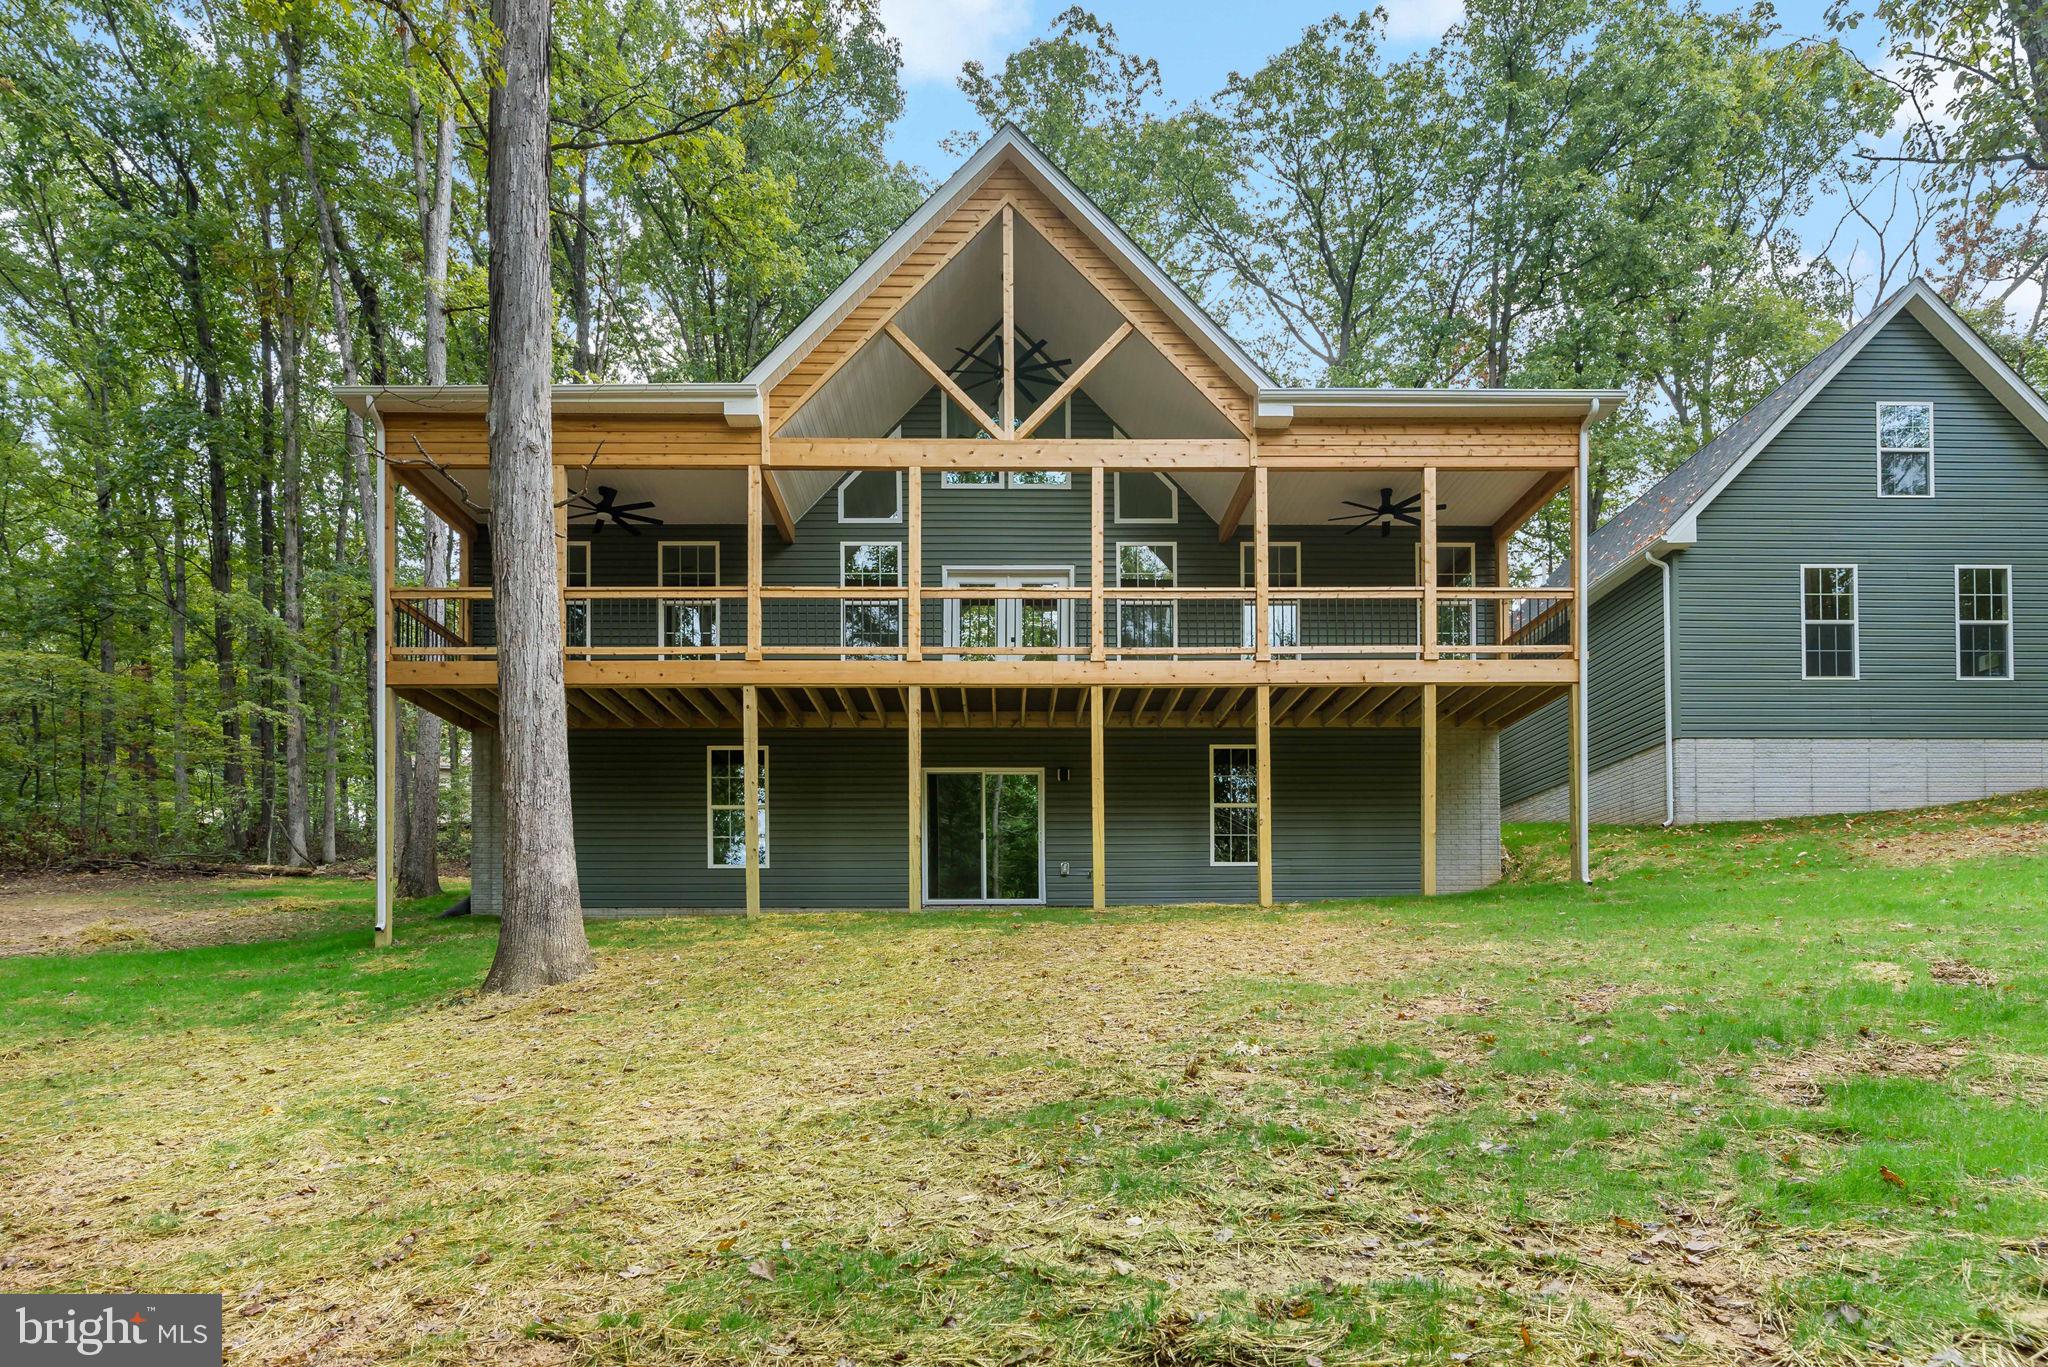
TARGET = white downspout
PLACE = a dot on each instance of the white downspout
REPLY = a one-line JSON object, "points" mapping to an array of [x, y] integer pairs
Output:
{"points": [[382, 803], [1670, 752], [1582, 622]]}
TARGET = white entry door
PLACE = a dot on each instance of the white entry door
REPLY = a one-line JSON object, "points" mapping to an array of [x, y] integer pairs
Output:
{"points": [[1006, 625]]}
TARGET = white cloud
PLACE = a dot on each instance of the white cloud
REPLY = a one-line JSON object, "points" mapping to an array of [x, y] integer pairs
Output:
{"points": [[1422, 21], [939, 35]]}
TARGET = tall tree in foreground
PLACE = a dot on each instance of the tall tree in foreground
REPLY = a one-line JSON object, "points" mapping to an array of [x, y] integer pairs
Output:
{"points": [[540, 939]]}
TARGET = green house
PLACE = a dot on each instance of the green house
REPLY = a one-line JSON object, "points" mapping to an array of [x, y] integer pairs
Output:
{"points": [[1834, 606]]}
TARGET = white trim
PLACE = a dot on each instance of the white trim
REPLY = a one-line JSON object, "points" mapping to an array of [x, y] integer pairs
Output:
{"points": [[1248, 627], [1116, 511], [949, 631], [682, 594], [1877, 443], [839, 493], [1855, 621], [570, 550], [1932, 312], [1214, 806], [762, 835], [1172, 604], [902, 612], [925, 840], [1471, 604], [2011, 662], [1670, 747]]}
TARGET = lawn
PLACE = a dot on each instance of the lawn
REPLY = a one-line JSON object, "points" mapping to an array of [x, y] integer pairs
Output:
{"points": [[1770, 1091]]}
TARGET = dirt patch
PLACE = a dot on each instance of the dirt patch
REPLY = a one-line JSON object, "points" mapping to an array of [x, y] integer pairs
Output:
{"points": [[72, 913], [1952, 844], [1802, 1079]]}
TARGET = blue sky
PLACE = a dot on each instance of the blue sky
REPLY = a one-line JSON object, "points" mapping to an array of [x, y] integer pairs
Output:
{"points": [[1197, 46]]}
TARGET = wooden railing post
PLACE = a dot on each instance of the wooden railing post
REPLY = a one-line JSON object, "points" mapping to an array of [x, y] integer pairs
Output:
{"points": [[1096, 571], [1428, 572], [913, 564]]}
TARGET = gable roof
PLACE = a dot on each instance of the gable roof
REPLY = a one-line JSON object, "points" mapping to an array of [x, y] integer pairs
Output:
{"points": [[1009, 141], [1667, 513]]}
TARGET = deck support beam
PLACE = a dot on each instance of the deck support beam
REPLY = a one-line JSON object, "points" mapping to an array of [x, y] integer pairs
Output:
{"points": [[1098, 816], [913, 732], [1264, 782], [1096, 626], [1429, 790], [750, 784], [755, 479]]}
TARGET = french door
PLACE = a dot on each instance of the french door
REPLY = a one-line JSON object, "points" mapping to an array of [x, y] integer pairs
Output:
{"points": [[1012, 625], [984, 835]]}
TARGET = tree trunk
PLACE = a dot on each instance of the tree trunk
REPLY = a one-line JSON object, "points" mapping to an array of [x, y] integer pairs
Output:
{"points": [[298, 846], [266, 530], [540, 936]]}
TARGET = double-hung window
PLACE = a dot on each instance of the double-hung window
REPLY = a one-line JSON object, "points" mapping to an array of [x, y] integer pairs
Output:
{"points": [[1146, 624], [1905, 450], [1283, 571], [725, 774], [1828, 618], [689, 623], [1233, 804], [1457, 567], [576, 620], [875, 623], [1983, 622]]}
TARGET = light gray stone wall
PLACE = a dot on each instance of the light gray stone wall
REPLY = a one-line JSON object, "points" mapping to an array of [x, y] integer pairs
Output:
{"points": [[486, 823], [1467, 809], [1630, 793], [1758, 779]]}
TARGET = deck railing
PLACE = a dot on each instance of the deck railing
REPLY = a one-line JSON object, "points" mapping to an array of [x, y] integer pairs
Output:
{"points": [[966, 623]]}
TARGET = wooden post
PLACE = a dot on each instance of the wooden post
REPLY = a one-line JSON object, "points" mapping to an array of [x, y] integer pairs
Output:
{"points": [[1500, 579], [755, 476], [750, 780], [1262, 569], [1009, 412], [913, 729], [1098, 817], [1428, 574], [1582, 598], [913, 564], [1264, 779], [1429, 790], [1096, 626], [387, 712]]}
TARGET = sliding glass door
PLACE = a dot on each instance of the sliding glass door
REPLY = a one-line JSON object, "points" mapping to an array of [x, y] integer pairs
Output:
{"points": [[983, 839]]}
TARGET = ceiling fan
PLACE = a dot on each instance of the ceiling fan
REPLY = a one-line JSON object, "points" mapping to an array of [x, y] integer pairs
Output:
{"points": [[981, 365], [1389, 511], [606, 505]]}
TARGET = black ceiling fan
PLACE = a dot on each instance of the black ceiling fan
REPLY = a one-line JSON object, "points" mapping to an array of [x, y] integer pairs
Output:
{"points": [[981, 366], [606, 505], [1389, 511]]}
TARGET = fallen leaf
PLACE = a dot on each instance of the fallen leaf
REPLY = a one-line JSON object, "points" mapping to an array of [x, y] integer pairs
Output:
{"points": [[759, 1268], [1888, 1175]]}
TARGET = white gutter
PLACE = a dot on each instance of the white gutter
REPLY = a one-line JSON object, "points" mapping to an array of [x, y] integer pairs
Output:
{"points": [[1670, 754]]}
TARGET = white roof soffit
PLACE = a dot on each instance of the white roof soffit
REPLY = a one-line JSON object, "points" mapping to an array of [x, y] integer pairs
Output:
{"points": [[1946, 326], [738, 404], [1009, 141], [1278, 408]]}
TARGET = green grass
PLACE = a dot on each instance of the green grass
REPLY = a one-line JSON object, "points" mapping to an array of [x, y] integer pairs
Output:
{"points": [[1766, 1090]]}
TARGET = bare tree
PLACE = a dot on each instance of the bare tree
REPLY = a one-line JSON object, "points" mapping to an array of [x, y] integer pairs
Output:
{"points": [[540, 937]]}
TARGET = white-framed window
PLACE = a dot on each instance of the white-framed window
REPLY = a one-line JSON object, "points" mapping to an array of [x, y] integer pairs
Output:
{"points": [[872, 624], [1146, 565], [685, 621], [1143, 496], [1905, 450], [1283, 571], [1457, 567], [1984, 622], [871, 496], [726, 806], [576, 620], [1233, 805], [1828, 619]]}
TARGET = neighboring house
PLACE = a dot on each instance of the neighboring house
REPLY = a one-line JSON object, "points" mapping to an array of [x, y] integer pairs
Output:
{"points": [[1834, 606], [1023, 583]]}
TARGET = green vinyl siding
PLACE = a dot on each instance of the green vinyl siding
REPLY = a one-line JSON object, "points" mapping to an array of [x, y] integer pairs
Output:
{"points": [[1810, 497], [1345, 815], [1625, 696]]}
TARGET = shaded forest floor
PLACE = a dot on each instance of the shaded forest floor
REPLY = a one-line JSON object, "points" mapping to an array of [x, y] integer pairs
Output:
{"points": [[81, 912], [1769, 1092]]}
